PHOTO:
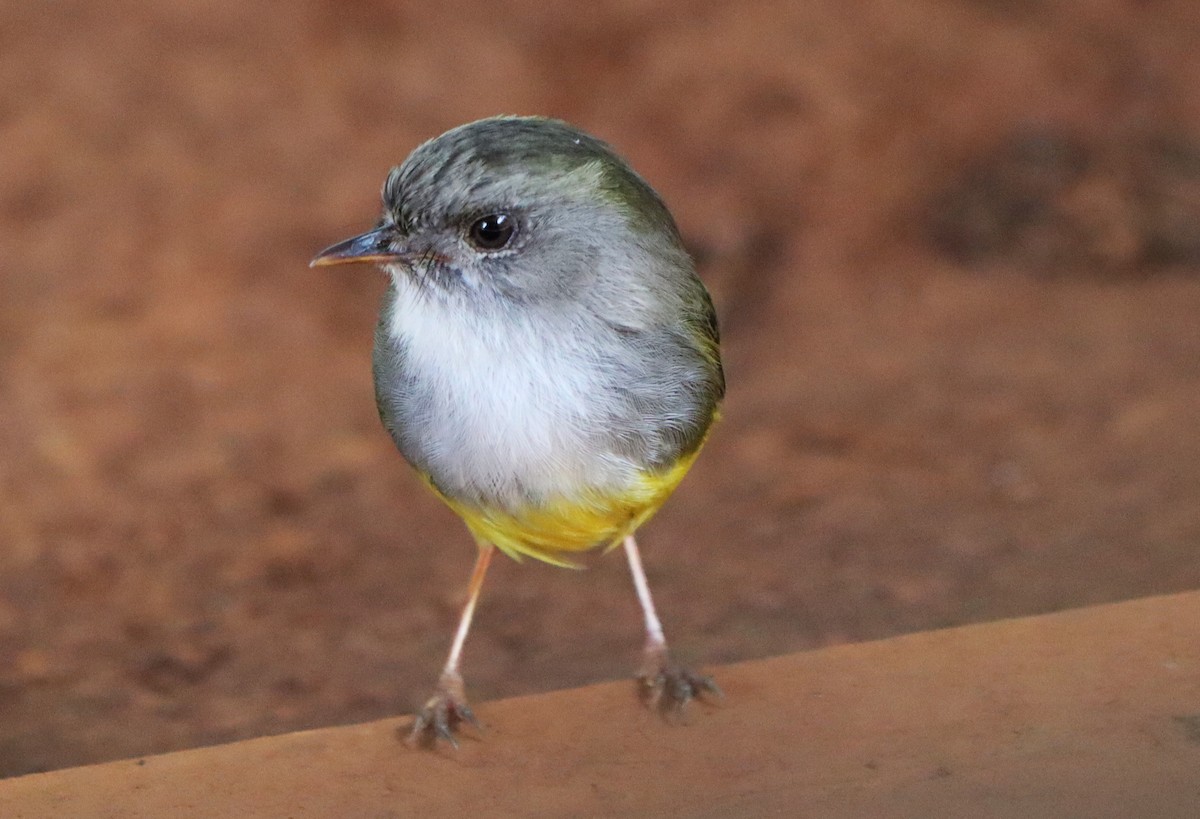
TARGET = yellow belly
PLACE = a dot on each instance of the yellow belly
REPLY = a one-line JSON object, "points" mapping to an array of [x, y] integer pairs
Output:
{"points": [[547, 532]]}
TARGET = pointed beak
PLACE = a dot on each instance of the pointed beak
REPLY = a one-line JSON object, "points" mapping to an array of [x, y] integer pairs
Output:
{"points": [[372, 246]]}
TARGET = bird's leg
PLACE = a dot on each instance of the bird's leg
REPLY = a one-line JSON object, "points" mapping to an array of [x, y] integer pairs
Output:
{"points": [[661, 684], [448, 707]]}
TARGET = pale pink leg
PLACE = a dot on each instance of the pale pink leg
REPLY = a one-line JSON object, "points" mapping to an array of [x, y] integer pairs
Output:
{"points": [[448, 707], [662, 685]]}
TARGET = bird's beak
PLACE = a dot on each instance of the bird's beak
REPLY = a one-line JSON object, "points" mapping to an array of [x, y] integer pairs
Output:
{"points": [[372, 246]]}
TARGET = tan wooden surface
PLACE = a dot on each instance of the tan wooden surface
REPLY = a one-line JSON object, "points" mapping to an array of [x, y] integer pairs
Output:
{"points": [[1094, 713]]}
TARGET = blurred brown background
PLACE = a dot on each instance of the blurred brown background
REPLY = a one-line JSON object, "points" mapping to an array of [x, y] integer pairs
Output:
{"points": [[954, 246]]}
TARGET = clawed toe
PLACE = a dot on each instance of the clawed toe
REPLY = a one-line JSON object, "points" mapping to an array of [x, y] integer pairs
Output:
{"points": [[442, 715], [668, 688]]}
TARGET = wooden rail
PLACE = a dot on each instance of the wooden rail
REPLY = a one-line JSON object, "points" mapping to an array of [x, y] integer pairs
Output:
{"points": [[1093, 712]]}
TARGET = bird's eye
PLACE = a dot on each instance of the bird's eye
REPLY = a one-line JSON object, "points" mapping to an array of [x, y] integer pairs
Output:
{"points": [[492, 232]]}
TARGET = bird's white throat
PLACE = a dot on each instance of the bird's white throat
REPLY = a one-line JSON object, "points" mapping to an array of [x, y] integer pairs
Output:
{"points": [[517, 408]]}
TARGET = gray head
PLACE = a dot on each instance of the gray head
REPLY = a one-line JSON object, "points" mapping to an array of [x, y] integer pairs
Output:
{"points": [[521, 209]]}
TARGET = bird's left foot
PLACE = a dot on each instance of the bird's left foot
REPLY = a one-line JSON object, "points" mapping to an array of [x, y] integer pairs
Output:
{"points": [[667, 688]]}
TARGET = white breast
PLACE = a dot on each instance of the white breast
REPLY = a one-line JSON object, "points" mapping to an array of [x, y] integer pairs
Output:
{"points": [[513, 411]]}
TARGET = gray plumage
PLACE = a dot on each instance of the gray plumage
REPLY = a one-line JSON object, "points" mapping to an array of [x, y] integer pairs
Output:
{"points": [[575, 358]]}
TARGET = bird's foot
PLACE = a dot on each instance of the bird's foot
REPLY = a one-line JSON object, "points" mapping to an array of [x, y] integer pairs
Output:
{"points": [[667, 688], [442, 715]]}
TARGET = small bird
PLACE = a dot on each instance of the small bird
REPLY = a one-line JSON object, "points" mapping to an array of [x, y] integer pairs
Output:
{"points": [[546, 358]]}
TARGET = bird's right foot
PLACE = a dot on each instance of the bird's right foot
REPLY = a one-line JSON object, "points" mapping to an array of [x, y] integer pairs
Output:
{"points": [[443, 714]]}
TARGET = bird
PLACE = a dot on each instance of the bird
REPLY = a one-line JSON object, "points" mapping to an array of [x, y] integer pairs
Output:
{"points": [[546, 358]]}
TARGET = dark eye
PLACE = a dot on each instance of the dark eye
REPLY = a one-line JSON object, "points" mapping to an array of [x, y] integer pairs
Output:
{"points": [[492, 232]]}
